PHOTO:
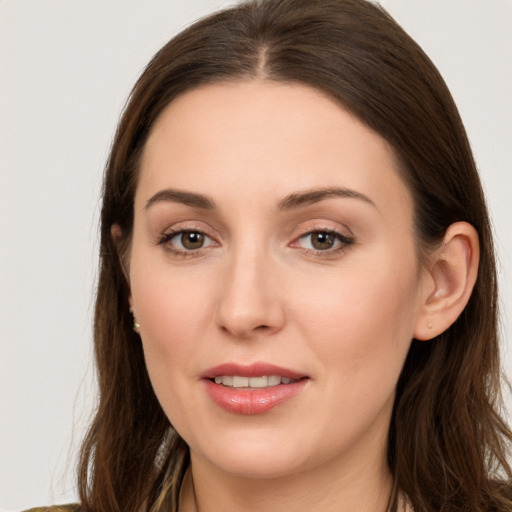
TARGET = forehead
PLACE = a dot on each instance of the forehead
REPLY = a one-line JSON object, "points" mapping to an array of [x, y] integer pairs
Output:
{"points": [[267, 139]]}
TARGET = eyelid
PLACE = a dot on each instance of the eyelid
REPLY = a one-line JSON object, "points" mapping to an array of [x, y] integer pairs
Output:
{"points": [[339, 236], [164, 238], [317, 225], [173, 234], [345, 240]]}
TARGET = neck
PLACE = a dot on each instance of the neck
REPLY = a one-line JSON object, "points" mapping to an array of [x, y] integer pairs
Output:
{"points": [[361, 486]]}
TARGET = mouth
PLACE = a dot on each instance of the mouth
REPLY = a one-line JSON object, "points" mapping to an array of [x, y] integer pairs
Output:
{"points": [[255, 375], [252, 389], [241, 382]]}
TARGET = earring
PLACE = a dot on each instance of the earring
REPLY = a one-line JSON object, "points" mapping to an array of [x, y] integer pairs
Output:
{"points": [[136, 325]]}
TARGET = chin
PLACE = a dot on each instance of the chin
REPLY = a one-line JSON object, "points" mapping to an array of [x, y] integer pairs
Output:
{"points": [[253, 464], [257, 454]]}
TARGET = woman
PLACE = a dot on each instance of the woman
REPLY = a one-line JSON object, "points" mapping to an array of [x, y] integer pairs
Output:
{"points": [[297, 297]]}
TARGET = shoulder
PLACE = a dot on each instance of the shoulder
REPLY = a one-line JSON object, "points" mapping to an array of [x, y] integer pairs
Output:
{"points": [[57, 508]]}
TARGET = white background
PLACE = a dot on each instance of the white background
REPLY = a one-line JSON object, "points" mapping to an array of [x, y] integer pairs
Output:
{"points": [[66, 67]]}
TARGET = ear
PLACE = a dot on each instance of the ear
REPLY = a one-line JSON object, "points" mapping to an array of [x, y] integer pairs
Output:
{"points": [[451, 275], [116, 234]]}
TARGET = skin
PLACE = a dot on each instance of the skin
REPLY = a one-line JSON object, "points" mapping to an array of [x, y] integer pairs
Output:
{"points": [[257, 291]]}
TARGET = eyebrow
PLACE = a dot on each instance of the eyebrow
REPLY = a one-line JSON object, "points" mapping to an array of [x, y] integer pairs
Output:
{"points": [[290, 202], [316, 195], [179, 196]]}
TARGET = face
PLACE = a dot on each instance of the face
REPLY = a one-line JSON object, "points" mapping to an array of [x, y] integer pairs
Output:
{"points": [[274, 274]]}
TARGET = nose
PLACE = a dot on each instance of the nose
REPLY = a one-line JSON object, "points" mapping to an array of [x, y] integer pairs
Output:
{"points": [[251, 300]]}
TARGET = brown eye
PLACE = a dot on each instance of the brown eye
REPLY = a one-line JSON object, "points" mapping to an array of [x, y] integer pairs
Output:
{"points": [[191, 240], [186, 241], [322, 240]]}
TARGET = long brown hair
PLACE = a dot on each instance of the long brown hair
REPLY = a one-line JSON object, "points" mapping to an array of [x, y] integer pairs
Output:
{"points": [[447, 442]]}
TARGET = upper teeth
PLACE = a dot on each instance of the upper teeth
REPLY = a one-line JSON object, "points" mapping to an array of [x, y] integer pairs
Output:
{"points": [[251, 382]]}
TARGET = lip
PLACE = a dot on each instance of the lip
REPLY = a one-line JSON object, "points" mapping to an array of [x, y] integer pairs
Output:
{"points": [[251, 370], [254, 400]]}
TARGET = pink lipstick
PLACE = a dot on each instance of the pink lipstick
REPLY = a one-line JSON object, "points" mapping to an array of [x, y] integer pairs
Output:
{"points": [[252, 389]]}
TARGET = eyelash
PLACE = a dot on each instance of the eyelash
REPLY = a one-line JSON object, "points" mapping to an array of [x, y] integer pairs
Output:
{"points": [[343, 243], [184, 253]]}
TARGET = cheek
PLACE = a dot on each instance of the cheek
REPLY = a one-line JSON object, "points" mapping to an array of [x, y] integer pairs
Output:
{"points": [[170, 320], [360, 326], [362, 320], [172, 311]]}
